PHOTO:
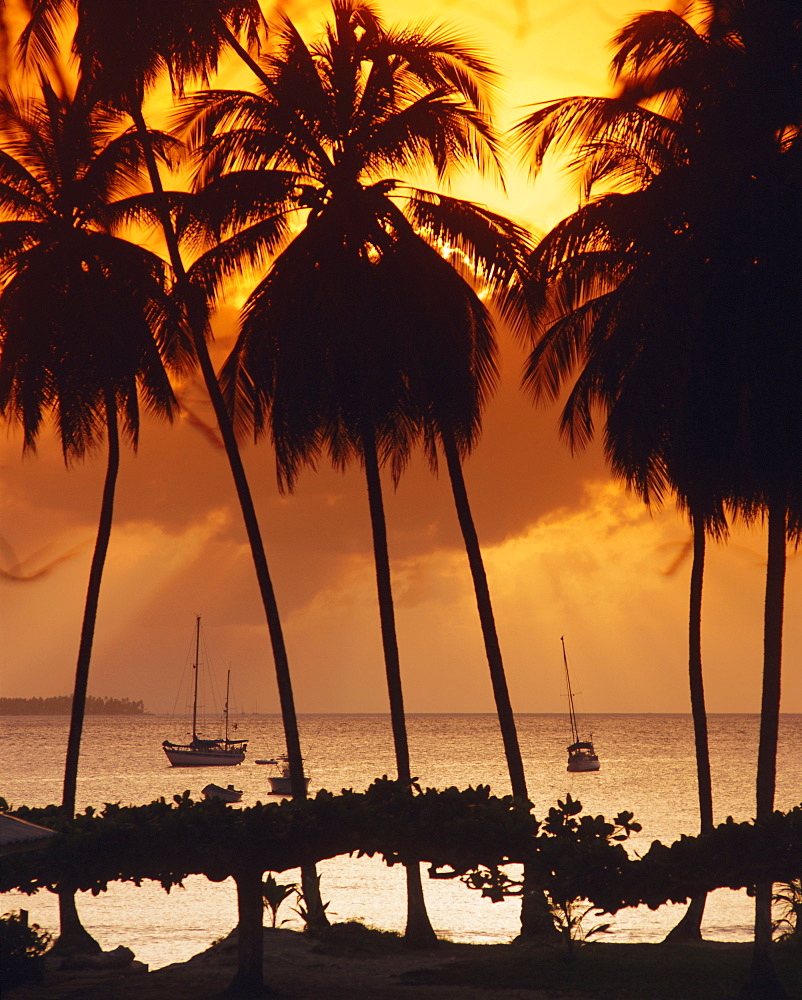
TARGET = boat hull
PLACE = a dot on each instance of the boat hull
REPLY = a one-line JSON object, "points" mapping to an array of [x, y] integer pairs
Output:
{"points": [[577, 764], [229, 794], [280, 785], [204, 757]]}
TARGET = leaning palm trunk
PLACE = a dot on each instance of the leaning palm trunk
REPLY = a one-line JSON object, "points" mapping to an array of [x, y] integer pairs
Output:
{"points": [[690, 927], [73, 936], [763, 983], [506, 719], [419, 932], [536, 918], [281, 663]]}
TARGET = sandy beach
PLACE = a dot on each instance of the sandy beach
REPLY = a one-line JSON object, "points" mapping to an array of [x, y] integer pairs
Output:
{"points": [[380, 968]]}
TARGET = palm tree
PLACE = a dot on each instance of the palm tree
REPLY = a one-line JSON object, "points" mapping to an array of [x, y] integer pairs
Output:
{"points": [[121, 51], [679, 299], [343, 343], [739, 86], [86, 320]]}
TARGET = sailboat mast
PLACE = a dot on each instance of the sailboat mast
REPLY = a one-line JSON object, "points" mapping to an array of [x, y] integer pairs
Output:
{"points": [[571, 714], [228, 685], [195, 696]]}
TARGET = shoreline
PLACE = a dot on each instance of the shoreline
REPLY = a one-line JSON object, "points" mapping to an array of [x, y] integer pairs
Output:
{"points": [[376, 966]]}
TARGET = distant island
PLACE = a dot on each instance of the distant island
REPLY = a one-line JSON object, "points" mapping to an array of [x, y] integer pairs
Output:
{"points": [[62, 705]]}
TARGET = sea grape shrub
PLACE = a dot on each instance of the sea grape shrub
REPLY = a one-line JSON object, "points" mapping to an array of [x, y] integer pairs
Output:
{"points": [[573, 858], [454, 828], [731, 856], [466, 833], [22, 949]]}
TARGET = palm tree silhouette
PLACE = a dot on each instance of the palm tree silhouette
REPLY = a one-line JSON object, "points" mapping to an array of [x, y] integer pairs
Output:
{"points": [[86, 320], [616, 288], [361, 336], [680, 301], [121, 50]]}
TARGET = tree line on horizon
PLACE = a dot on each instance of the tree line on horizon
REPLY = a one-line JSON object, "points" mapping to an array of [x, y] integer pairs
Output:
{"points": [[62, 705], [668, 304]]}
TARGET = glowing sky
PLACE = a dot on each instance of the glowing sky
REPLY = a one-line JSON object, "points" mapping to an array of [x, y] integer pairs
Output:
{"points": [[566, 551]]}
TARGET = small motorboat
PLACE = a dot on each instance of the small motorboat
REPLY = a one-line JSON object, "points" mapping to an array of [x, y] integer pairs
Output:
{"points": [[281, 782], [227, 794]]}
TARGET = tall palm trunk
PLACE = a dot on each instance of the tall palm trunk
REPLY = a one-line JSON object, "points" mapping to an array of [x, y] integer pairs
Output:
{"points": [[198, 330], [536, 921], [690, 927], [198, 321], [763, 983], [72, 935], [419, 932], [506, 719]]}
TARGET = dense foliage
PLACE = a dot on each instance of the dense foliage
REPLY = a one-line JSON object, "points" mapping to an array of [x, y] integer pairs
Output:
{"points": [[22, 946], [465, 833]]}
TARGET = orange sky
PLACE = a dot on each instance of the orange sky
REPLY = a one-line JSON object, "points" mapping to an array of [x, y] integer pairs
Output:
{"points": [[566, 551]]}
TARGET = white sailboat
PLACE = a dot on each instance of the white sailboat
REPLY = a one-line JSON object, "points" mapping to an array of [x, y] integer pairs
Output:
{"points": [[204, 752], [581, 753]]}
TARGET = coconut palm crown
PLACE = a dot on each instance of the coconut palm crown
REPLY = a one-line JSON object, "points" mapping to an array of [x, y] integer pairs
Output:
{"points": [[86, 318], [318, 148], [123, 47]]}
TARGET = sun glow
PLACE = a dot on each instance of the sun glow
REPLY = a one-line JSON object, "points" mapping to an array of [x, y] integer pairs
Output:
{"points": [[567, 552]]}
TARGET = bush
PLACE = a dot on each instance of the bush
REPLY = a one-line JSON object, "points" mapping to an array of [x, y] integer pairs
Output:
{"points": [[787, 901], [22, 949]]}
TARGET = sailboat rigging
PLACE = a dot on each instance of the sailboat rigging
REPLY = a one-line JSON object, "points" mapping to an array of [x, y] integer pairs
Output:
{"points": [[581, 753], [203, 752]]}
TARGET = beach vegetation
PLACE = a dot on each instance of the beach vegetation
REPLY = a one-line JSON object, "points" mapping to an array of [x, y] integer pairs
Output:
{"points": [[572, 846], [352, 937], [274, 893], [578, 859], [22, 948], [307, 905], [787, 906]]}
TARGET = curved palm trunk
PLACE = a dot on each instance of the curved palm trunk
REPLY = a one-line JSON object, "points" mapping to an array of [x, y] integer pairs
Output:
{"points": [[763, 983], [419, 932], [536, 921], [73, 936], [506, 718], [242, 486], [690, 927]]}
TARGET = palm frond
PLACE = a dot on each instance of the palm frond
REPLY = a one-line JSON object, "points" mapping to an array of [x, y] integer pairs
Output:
{"points": [[240, 256], [40, 41], [86, 317]]}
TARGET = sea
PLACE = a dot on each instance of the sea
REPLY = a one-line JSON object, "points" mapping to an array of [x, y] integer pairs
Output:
{"points": [[648, 767]]}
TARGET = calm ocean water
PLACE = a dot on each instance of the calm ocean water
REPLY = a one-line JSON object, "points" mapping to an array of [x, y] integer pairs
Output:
{"points": [[647, 767]]}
